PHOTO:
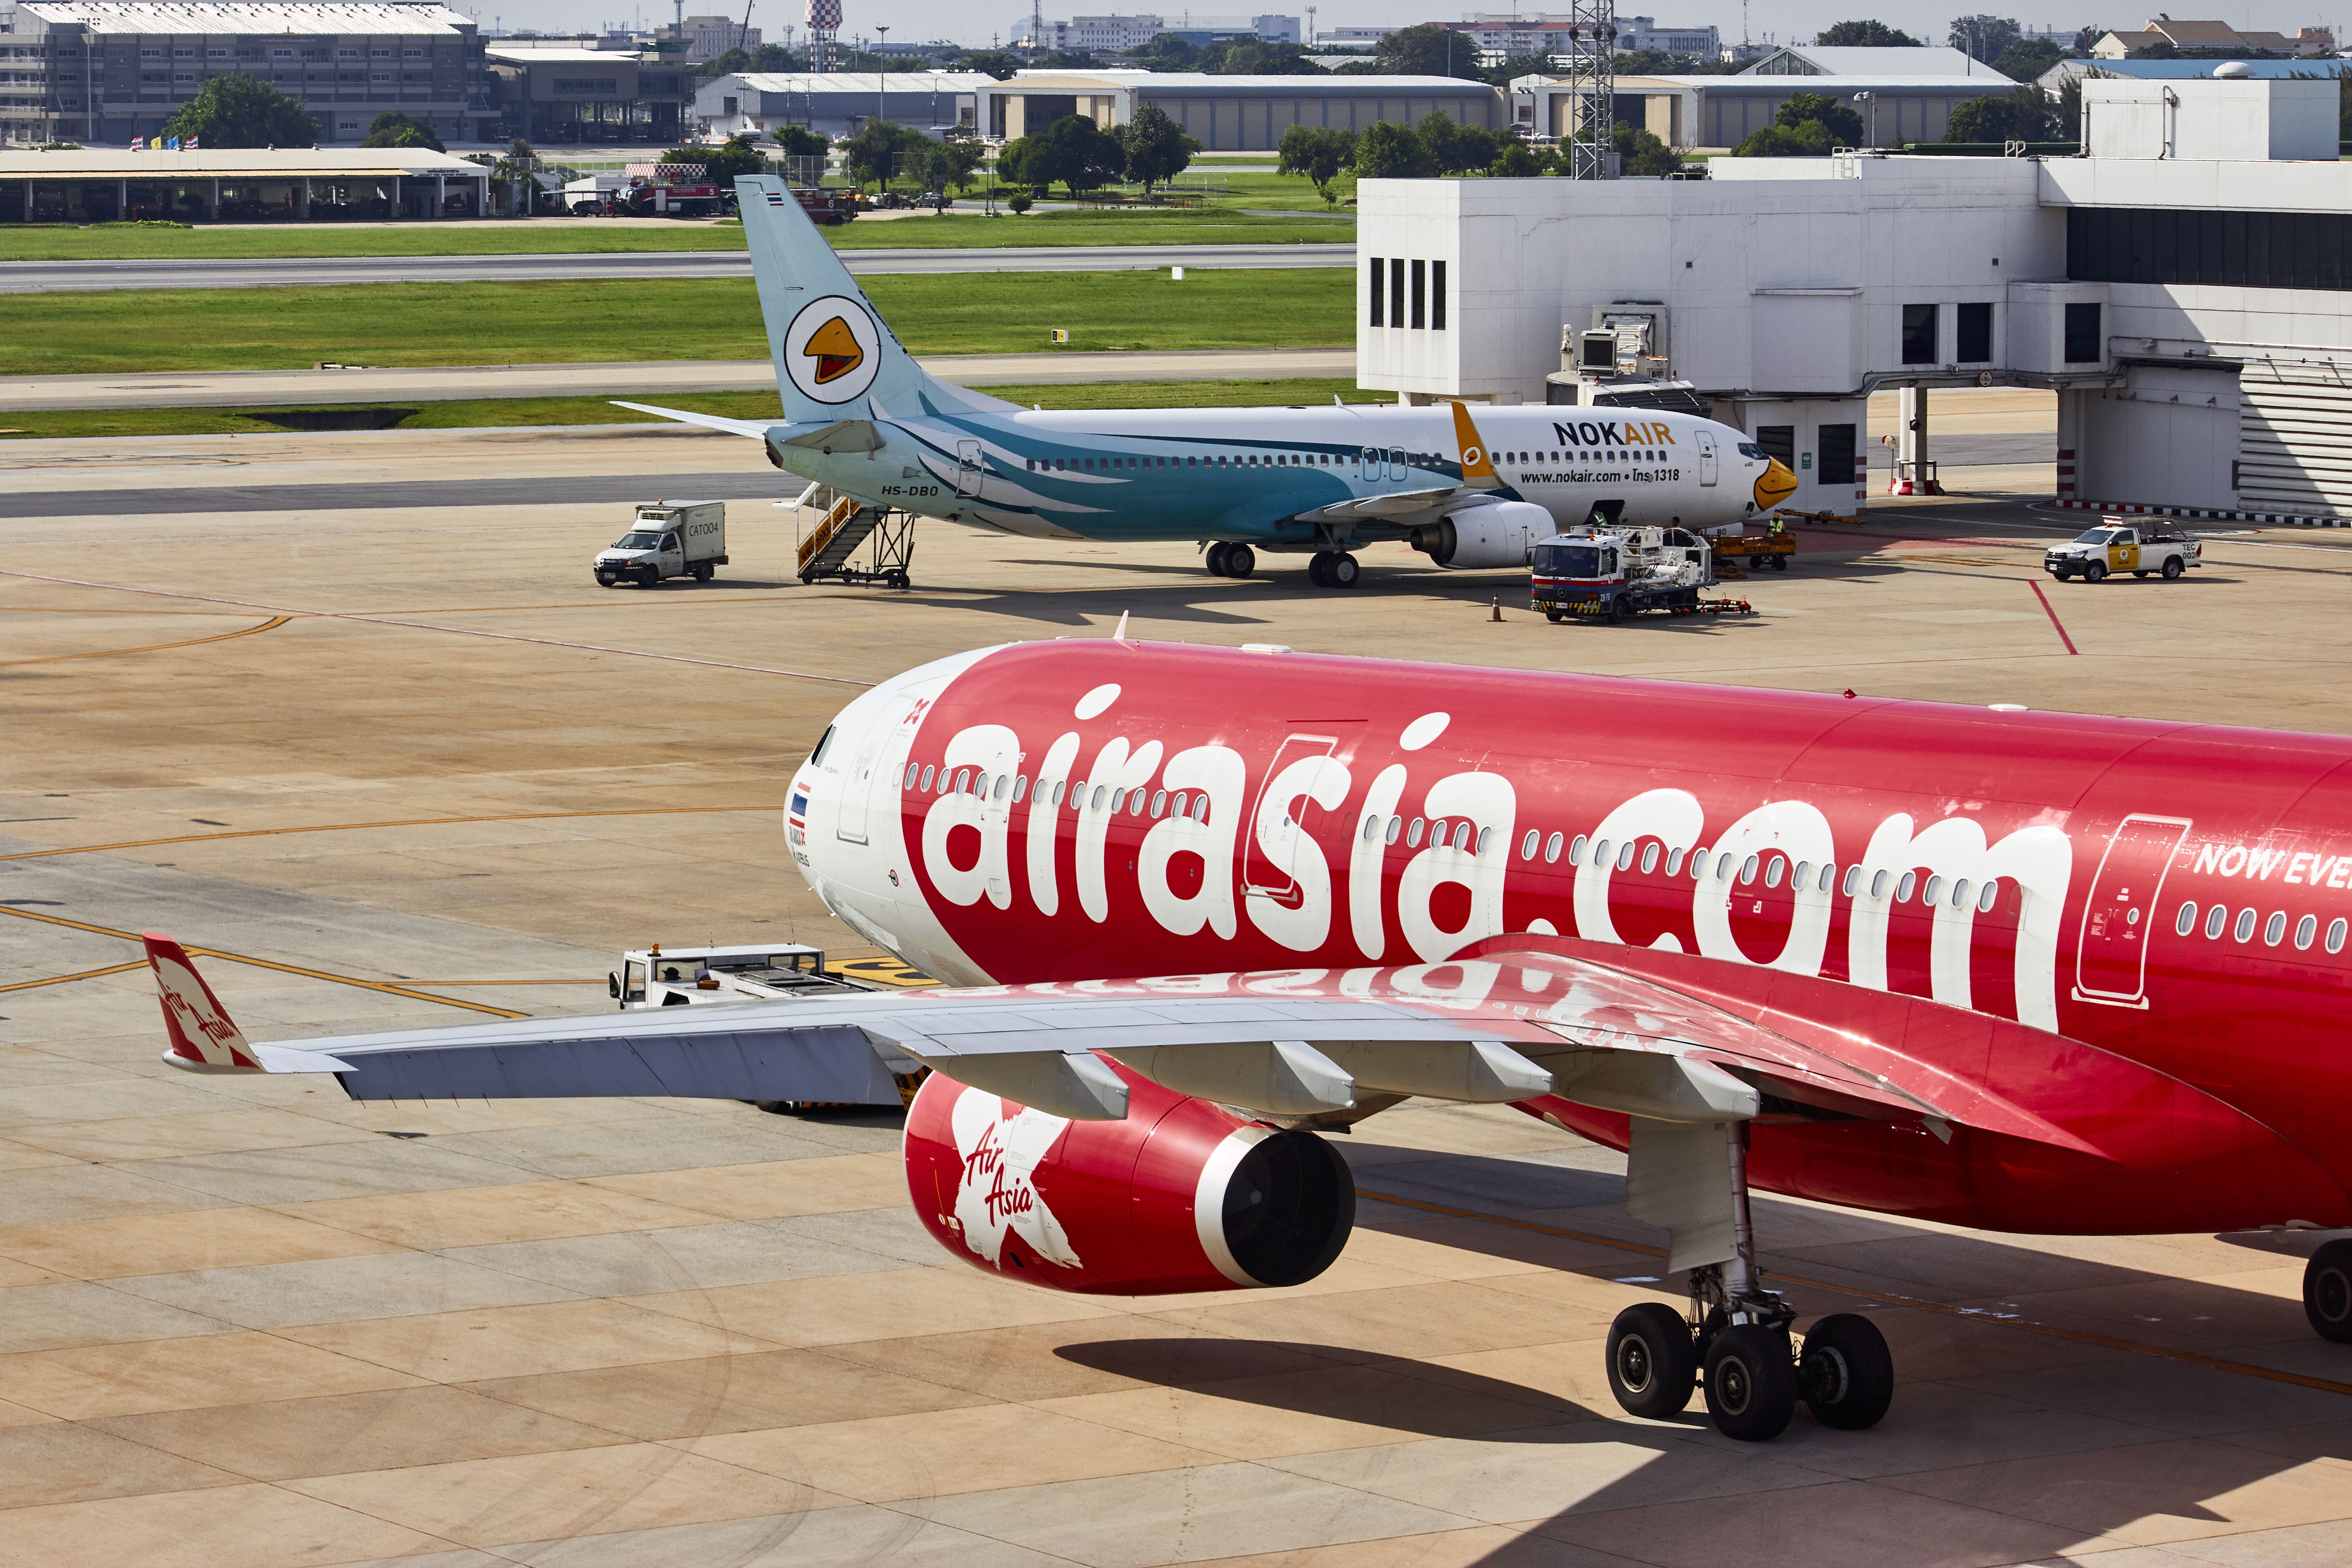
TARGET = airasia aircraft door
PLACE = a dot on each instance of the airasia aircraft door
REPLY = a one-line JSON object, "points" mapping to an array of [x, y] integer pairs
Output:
{"points": [[2111, 951], [874, 771], [1266, 866]]}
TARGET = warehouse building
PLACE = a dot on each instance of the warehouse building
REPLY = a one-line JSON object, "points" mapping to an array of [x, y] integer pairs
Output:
{"points": [[1901, 94], [365, 185], [2186, 288], [564, 90], [836, 103], [1231, 114], [104, 72]]}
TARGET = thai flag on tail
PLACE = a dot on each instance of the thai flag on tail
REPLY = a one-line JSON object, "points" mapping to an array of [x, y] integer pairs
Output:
{"points": [[775, 198]]}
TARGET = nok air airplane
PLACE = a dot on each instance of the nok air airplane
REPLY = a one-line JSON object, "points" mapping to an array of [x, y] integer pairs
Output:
{"points": [[863, 420]]}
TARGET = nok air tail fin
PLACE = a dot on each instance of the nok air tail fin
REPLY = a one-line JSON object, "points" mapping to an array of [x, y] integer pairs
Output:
{"points": [[1477, 467], [834, 355]]}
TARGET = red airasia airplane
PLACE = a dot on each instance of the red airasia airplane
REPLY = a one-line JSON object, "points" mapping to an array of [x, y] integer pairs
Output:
{"points": [[2025, 971]]}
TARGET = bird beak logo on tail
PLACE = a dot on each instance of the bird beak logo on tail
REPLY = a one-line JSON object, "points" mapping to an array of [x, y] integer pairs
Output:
{"points": [[834, 348], [1476, 469], [1774, 485]]}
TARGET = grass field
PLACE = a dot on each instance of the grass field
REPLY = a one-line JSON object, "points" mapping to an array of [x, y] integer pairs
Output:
{"points": [[511, 411], [1217, 223], [655, 319]]}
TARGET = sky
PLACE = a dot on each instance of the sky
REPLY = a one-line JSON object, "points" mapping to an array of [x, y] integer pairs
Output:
{"points": [[965, 22]]}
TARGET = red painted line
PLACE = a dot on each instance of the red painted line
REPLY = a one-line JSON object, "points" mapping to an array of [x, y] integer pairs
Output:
{"points": [[2049, 610]]}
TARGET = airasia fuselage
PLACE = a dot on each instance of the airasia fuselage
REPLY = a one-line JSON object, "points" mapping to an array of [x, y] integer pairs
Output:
{"points": [[2174, 895]]}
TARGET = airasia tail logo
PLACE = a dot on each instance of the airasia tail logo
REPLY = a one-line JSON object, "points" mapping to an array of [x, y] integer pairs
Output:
{"points": [[996, 1192], [209, 1035]]}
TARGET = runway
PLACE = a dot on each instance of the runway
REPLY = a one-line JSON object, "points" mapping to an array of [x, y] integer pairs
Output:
{"points": [[655, 378], [54, 276]]}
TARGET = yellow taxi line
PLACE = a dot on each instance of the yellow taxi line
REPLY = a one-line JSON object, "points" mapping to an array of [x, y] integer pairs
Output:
{"points": [[274, 621]]}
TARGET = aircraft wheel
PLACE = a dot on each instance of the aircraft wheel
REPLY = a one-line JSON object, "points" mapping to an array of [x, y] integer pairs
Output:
{"points": [[1652, 1363], [1344, 570], [1240, 561], [2096, 572], [1318, 569], [2173, 569], [2327, 1291], [1847, 1373], [1215, 559], [1751, 1383]]}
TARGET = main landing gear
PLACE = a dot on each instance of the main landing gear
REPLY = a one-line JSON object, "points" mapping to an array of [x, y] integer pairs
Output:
{"points": [[1225, 560], [1333, 569], [2327, 1291], [1734, 1344]]}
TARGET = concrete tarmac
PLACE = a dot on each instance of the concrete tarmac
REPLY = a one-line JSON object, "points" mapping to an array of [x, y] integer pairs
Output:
{"points": [[407, 764], [57, 277], [654, 379]]}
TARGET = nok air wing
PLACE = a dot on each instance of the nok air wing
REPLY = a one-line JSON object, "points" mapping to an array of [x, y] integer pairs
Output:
{"points": [[862, 419]]}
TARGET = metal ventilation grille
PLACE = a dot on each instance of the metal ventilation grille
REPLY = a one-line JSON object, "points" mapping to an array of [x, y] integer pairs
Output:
{"points": [[2293, 452]]}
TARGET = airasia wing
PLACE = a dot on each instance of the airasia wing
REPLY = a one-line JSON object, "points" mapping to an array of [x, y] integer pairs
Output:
{"points": [[2033, 972]]}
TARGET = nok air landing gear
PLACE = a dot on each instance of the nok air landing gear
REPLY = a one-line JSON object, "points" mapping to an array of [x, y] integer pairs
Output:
{"points": [[1224, 560], [1734, 1342]]}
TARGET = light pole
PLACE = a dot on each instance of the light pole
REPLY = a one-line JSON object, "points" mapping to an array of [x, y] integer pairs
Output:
{"points": [[882, 78], [1870, 137]]}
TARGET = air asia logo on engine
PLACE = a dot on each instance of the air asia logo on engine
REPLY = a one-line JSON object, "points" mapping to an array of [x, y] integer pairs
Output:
{"points": [[997, 1192], [832, 350]]}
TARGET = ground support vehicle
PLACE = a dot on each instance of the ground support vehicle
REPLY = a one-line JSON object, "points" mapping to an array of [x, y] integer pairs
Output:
{"points": [[826, 207], [1770, 551], [705, 976], [669, 538], [825, 549], [2118, 546], [1611, 574]]}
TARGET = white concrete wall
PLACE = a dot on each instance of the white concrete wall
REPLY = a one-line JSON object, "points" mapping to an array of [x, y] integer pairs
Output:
{"points": [[2166, 436], [2286, 118]]}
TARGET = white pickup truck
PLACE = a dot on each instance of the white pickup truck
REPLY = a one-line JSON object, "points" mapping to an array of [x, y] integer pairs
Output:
{"points": [[2118, 546], [669, 538]]}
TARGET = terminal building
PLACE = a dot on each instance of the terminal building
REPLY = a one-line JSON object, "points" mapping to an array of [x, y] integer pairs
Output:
{"points": [[2185, 287], [836, 104], [1231, 114], [105, 71]]}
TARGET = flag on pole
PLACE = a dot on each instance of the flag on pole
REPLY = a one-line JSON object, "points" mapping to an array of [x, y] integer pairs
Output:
{"points": [[173, 143], [189, 146], [139, 143]]}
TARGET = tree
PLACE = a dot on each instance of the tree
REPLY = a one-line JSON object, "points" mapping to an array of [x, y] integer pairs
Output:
{"points": [[1167, 52], [1387, 150], [513, 174], [1515, 162], [879, 150], [1457, 149], [1074, 150], [396, 129], [2027, 58], [1154, 147], [726, 64], [959, 160], [1806, 141], [1840, 124], [1640, 153], [2066, 116], [1863, 36], [800, 141], [1256, 56], [1514, 67], [740, 156], [2021, 114], [1318, 152], [240, 110], [1984, 37], [998, 63], [1428, 49]]}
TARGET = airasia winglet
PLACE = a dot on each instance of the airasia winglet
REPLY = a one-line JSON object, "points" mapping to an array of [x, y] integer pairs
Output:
{"points": [[204, 1039]]}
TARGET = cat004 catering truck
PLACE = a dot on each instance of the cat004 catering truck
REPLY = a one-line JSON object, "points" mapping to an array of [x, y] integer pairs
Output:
{"points": [[668, 539]]}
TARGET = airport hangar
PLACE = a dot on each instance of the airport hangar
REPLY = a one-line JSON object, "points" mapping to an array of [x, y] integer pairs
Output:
{"points": [[240, 185], [2186, 288]]}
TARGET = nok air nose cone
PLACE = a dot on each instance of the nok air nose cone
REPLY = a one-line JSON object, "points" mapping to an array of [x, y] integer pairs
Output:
{"points": [[1774, 485]]}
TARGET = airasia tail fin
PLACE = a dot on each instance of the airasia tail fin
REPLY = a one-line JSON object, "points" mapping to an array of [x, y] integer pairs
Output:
{"points": [[203, 1036]]}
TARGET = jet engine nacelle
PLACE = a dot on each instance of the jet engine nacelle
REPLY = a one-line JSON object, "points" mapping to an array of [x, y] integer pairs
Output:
{"points": [[1178, 1196], [1479, 537]]}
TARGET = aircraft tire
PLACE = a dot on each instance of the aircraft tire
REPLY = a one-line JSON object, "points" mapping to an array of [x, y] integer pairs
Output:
{"points": [[1344, 570], [1240, 561], [1847, 1373], [1318, 570], [2327, 1291], [1652, 1362], [1215, 559], [1751, 1383]]}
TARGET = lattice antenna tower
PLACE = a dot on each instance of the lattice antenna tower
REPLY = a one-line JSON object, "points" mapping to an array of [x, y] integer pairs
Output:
{"points": [[1592, 89], [823, 19]]}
